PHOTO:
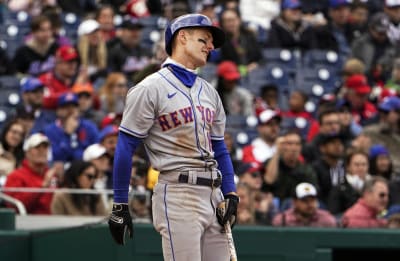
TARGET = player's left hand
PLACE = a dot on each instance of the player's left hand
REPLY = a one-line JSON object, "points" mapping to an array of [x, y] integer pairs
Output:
{"points": [[120, 223], [231, 204]]}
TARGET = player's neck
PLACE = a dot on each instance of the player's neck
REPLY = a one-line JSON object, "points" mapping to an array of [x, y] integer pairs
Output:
{"points": [[183, 60]]}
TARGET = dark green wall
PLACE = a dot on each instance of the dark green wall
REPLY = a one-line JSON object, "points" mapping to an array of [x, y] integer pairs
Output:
{"points": [[253, 243]]}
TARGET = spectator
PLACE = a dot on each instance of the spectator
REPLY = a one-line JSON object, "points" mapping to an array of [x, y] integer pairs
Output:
{"points": [[70, 135], [139, 202], [35, 173], [365, 212], [361, 142], [263, 147], [250, 175], [394, 82], [305, 211], [233, 150], [87, 102], [349, 128], [297, 102], [11, 152], [127, 55], [78, 7], [6, 66], [32, 7], [330, 167], [387, 132], [36, 55], [246, 215], [207, 8], [285, 169], [334, 36], [259, 12], [391, 8], [394, 221], [105, 17], [235, 99], [92, 50], [97, 155], [61, 79], [351, 67], [289, 30], [372, 45], [80, 175], [355, 98], [358, 19], [108, 138], [241, 46], [113, 92], [345, 194], [268, 98], [380, 163], [328, 123], [54, 14], [32, 92]]}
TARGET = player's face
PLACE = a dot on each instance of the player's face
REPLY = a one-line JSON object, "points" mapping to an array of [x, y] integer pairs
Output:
{"points": [[198, 47]]}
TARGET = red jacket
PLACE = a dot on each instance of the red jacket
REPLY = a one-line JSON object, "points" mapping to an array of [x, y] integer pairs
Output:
{"points": [[25, 177], [360, 215], [54, 87]]}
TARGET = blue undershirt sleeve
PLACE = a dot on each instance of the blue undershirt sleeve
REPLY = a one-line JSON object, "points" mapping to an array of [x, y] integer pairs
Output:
{"points": [[126, 146], [223, 158]]}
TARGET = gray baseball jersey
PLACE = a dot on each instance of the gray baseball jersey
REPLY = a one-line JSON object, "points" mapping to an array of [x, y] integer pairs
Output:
{"points": [[177, 123]]}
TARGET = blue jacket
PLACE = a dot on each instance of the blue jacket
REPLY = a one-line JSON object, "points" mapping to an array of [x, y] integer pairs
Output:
{"points": [[67, 147]]}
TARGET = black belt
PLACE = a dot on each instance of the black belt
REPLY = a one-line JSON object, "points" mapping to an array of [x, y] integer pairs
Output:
{"points": [[214, 183]]}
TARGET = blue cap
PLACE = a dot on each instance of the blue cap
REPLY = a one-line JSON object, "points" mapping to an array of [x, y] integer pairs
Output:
{"points": [[377, 150], [390, 103], [338, 3], [30, 84], [108, 131], [67, 98], [290, 4]]}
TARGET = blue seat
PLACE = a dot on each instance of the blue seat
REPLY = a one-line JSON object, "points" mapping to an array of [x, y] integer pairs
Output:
{"points": [[320, 75], [296, 123], [237, 122], [283, 57], [6, 114], [327, 58], [9, 82], [279, 75]]}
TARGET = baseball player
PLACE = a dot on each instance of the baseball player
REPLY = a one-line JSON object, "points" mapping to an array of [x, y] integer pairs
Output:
{"points": [[180, 118]]}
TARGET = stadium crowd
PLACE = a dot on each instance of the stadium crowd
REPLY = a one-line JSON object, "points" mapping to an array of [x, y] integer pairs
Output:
{"points": [[310, 88]]}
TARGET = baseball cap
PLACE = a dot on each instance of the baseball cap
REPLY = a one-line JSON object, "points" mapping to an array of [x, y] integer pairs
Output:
{"points": [[228, 70], [338, 3], [380, 22], [30, 84], [248, 168], [377, 150], [131, 24], [66, 53], [108, 131], [267, 115], [67, 98], [35, 140], [109, 119], [392, 3], [290, 4], [94, 151], [358, 83], [326, 138], [390, 103], [87, 27], [82, 87], [304, 190]]}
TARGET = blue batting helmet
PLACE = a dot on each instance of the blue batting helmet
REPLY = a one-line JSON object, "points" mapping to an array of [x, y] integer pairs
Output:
{"points": [[191, 21]]}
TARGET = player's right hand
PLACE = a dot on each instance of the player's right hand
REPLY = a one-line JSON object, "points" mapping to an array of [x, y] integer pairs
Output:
{"points": [[120, 222]]}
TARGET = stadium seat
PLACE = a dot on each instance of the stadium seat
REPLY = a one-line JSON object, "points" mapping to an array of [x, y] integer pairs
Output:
{"points": [[282, 57], [9, 82], [209, 72], [326, 58], [297, 123]]}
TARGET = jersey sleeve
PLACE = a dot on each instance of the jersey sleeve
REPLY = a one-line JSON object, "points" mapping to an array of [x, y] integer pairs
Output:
{"points": [[139, 112], [218, 126]]}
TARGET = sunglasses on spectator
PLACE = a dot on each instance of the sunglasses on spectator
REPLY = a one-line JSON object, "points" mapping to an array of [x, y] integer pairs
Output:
{"points": [[90, 176], [382, 195], [84, 95]]}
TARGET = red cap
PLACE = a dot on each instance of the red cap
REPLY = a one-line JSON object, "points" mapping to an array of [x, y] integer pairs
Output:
{"points": [[66, 53], [358, 83], [228, 70]]}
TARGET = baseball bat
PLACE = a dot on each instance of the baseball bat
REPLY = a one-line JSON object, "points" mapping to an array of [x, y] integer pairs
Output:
{"points": [[228, 232]]}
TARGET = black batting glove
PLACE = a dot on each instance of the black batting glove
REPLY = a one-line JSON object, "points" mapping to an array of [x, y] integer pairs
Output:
{"points": [[229, 214], [120, 223]]}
